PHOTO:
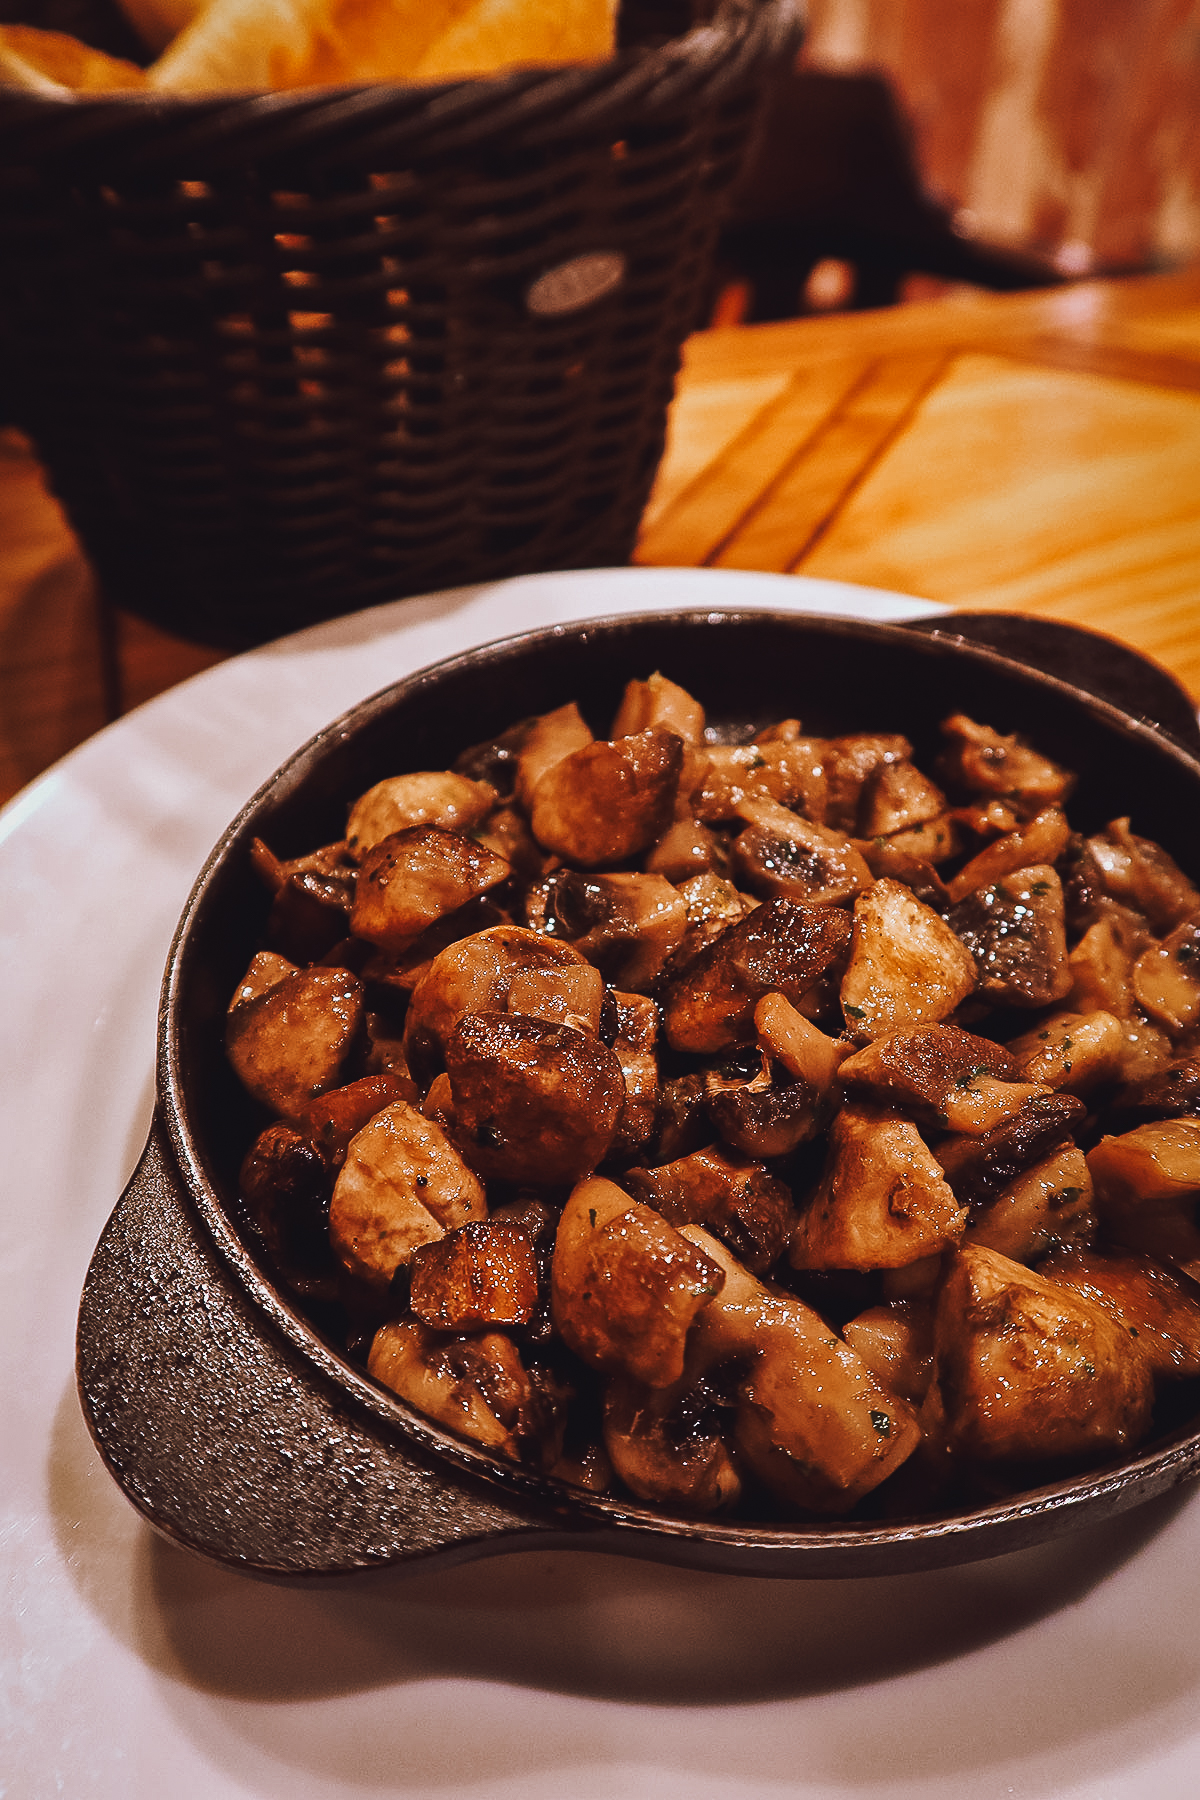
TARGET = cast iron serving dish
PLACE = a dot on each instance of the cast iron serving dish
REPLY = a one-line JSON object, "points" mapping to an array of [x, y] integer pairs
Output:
{"points": [[222, 1414]]}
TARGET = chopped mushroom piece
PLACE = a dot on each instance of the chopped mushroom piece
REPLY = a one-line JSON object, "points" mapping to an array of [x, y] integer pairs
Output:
{"points": [[659, 704], [532, 1101], [432, 797], [626, 1286], [1045, 1206], [628, 925], [814, 1424], [712, 903], [1016, 932], [265, 972], [764, 1112], [789, 770], [284, 1183], [781, 854], [1166, 978], [413, 877], [610, 800], [804, 1050], [478, 974], [687, 848], [895, 1340], [1029, 1372], [907, 967], [666, 1445], [979, 1165], [635, 1046], [1139, 873], [1155, 1305], [1042, 840], [885, 856], [545, 742], [288, 1043], [851, 765], [1170, 1093], [737, 1198], [942, 1076], [983, 761], [334, 1118], [882, 1200], [1101, 965], [778, 948], [1071, 1051], [897, 797], [476, 1386], [402, 1184], [482, 1274], [1153, 1166]]}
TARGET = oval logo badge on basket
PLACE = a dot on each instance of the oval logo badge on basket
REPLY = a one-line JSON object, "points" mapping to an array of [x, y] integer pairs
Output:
{"points": [[576, 284]]}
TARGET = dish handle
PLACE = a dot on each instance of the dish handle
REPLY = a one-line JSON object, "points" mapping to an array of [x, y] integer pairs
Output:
{"points": [[232, 1445]]}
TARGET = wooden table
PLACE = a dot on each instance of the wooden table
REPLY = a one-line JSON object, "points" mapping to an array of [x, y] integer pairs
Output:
{"points": [[1036, 453]]}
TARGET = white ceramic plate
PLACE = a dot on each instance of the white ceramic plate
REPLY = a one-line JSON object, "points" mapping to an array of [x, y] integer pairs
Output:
{"points": [[132, 1672]]}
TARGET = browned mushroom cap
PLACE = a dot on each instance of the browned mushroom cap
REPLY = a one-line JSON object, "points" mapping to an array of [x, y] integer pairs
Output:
{"points": [[483, 1274], [882, 1201], [779, 947], [1015, 930], [416, 876], [1030, 1372], [734, 1196], [533, 1102], [625, 1285], [288, 1044], [610, 800], [332, 1119], [478, 974], [779, 853], [907, 967], [666, 1445], [980, 760]]}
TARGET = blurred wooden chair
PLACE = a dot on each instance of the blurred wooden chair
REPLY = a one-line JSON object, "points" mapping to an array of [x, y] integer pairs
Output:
{"points": [[834, 176]]}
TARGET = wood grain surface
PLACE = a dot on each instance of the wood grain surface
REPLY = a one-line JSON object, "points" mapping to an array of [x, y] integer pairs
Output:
{"points": [[1034, 453]]}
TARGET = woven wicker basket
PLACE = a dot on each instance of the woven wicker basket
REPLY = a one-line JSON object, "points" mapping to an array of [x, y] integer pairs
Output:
{"points": [[288, 355]]}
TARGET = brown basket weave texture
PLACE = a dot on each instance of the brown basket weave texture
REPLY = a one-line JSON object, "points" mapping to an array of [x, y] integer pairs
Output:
{"points": [[285, 356]]}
